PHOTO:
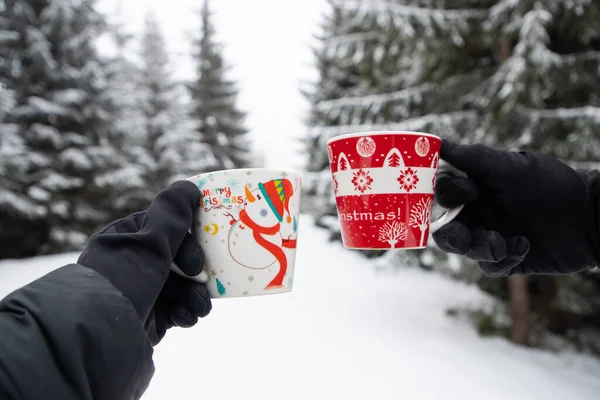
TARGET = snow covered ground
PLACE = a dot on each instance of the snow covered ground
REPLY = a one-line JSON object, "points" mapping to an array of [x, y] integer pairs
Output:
{"points": [[346, 332]]}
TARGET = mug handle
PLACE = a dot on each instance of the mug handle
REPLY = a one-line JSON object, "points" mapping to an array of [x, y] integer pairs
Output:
{"points": [[202, 277], [445, 218], [450, 214]]}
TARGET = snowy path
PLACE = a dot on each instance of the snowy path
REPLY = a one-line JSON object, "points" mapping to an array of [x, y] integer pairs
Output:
{"points": [[347, 333]]}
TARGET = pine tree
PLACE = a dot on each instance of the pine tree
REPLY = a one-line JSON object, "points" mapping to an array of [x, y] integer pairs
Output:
{"points": [[171, 139], [379, 77], [343, 164], [6, 102], [61, 143], [129, 183], [394, 160], [373, 76], [159, 102], [542, 96], [339, 77], [220, 123], [508, 73], [220, 287]]}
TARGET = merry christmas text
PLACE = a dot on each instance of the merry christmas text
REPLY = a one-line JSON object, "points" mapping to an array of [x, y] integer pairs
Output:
{"points": [[220, 196], [369, 216]]}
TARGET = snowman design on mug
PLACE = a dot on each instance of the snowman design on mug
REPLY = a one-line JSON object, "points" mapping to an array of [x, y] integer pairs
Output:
{"points": [[255, 239]]}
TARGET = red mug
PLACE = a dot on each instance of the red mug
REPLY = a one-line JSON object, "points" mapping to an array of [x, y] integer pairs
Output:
{"points": [[384, 184]]}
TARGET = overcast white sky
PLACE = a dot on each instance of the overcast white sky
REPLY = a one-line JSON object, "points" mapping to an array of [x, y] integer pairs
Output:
{"points": [[267, 43]]}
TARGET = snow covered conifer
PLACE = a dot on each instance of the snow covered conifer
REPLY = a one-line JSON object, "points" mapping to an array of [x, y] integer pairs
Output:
{"points": [[128, 183], [516, 74], [60, 136], [386, 65], [544, 96], [220, 124]]}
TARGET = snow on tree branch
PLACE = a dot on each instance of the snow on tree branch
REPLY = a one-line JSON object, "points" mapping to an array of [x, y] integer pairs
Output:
{"points": [[375, 101], [413, 21], [69, 96], [587, 112], [387, 6], [576, 58], [15, 202], [37, 105], [353, 38], [583, 165], [514, 79], [508, 15], [440, 121], [534, 25]]}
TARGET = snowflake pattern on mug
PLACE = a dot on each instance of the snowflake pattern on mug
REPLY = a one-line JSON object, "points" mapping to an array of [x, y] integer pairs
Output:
{"points": [[362, 180], [233, 183], [408, 179]]}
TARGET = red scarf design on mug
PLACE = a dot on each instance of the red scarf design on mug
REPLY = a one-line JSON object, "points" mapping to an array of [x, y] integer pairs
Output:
{"points": [[258, 232]]}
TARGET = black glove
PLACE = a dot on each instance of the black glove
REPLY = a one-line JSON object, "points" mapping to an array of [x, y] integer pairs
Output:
{"points": [[135, 255], [525, 213]]}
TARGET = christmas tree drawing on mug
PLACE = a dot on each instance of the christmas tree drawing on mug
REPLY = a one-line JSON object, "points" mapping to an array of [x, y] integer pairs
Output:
{"points": [[255, 240]]}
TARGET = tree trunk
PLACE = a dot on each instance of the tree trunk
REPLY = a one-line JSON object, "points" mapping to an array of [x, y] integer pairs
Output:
{"points": [[505, 49], [519, 309], [423, 229], [517, 285]]}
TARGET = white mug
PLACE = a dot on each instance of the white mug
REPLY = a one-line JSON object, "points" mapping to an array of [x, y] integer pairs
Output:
{"points": [[247, 224]]}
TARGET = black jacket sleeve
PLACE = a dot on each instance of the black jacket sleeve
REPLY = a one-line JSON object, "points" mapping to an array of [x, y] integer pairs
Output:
{"points": [[72, 335]]}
